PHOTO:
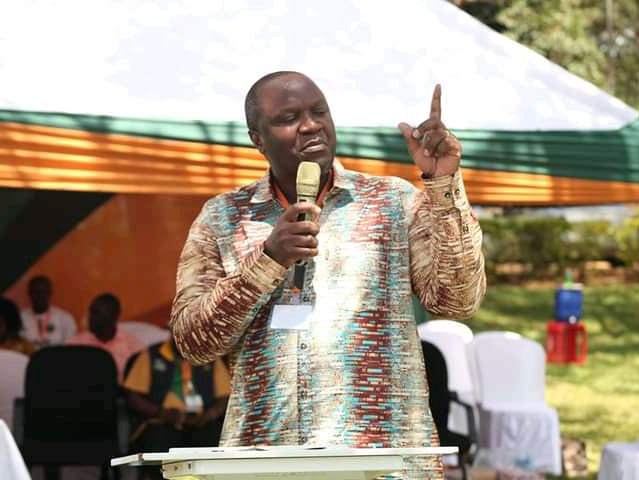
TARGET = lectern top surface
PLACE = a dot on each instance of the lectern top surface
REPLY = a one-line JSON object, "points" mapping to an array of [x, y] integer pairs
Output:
{"points": [[248, 453]]}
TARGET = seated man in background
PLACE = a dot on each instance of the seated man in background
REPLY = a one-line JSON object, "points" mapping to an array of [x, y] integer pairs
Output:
{"points": [[177, 405], [104, 313], [44, 323], [10, 326]]}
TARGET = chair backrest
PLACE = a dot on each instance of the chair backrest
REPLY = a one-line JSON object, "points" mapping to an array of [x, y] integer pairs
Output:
{"points": [[453, 347], [70, 414], [449, 326], [147, 333], [14, 367], [509, 368]]}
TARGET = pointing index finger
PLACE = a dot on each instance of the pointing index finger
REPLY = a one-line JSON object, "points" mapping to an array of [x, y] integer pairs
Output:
{"points": [[436, 103]]}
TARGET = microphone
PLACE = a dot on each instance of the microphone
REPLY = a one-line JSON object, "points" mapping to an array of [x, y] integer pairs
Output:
{"points": [[307, 187]]}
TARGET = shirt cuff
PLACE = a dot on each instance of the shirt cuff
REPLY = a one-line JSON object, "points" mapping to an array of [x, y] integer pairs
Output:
{"points": [[447, 191], [262, 271]]}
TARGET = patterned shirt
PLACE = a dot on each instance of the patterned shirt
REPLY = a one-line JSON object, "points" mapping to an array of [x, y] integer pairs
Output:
{"points": [[355, 377]]}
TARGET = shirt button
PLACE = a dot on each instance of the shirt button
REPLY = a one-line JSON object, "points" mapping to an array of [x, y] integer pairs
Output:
{"points": [[447, 195], [303, 346], [465, 229], [457, 192]]}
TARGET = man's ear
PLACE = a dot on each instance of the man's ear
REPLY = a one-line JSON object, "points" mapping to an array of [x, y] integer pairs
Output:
{"points": [[257, 140]]}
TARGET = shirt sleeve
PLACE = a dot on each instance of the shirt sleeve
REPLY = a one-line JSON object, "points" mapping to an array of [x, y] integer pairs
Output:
{"points": [[139, 378], [446, 260], [70, 327], [29, 328], [212, 310], [221, 380]]}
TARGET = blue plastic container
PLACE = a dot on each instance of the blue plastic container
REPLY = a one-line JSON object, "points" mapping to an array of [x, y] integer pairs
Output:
{"points": [[569, 305]]}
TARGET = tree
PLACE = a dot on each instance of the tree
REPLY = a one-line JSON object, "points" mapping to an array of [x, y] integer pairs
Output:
{"points": [[560, 30], [618, 31], [628, 240], [591, 240], [535, 243]]}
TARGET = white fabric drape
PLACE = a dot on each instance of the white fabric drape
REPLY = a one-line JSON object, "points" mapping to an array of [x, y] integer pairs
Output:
{"points": [[13, 467], [619, 461]]}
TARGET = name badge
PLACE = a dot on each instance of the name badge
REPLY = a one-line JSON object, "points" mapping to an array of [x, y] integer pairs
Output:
{"points": [[193, 403], [291, 317]]}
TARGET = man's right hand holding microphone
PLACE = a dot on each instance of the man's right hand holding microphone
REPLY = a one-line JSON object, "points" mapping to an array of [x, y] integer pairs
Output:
{"points": [[292, 240]]}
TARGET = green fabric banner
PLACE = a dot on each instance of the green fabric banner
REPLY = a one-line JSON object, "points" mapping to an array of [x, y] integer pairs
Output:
{"points": [[592, 155]]}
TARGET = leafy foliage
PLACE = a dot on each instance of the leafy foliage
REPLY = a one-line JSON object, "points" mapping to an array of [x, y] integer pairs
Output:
{"points": [[547, 246], [592, 240], [628, 239]]}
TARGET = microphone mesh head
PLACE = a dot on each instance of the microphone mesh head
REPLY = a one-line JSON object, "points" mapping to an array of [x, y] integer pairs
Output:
{"points": [[308, 179]]}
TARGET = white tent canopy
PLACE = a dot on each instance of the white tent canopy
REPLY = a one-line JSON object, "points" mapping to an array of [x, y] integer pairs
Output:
{"points": [[377, 62]]}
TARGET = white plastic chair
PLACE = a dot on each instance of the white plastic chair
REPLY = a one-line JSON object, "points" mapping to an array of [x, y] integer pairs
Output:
{"points": [[147, 333], [619, 461], [452, 338], [517, 428], [14, 366], [448, 326]]}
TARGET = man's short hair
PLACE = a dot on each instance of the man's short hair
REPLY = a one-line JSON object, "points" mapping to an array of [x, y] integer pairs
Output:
{"points": [[110, 301], [42, 279], [251, 103]]}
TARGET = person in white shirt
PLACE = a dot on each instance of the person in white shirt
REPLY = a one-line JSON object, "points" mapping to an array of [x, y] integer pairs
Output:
{"points": [[43, 323]]}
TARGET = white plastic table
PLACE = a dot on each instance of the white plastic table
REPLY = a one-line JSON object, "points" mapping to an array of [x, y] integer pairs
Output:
{"points": [[269, 463]]}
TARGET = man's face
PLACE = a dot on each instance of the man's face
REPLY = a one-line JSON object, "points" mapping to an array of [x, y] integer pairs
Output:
{"points": [[295, 125], [102, 321], [40, 295]]}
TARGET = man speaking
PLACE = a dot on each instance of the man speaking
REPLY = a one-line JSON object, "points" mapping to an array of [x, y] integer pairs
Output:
{"points": [[330, 355]]}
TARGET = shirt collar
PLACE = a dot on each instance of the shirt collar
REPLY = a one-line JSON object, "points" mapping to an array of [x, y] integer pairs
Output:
{"points": [[264, 192]]}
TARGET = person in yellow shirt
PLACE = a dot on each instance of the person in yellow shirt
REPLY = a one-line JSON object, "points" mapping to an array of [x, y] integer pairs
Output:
{"points": [[175, 404]]}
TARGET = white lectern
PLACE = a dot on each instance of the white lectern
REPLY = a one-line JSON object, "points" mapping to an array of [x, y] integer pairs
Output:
{"points": [[271, 463]]}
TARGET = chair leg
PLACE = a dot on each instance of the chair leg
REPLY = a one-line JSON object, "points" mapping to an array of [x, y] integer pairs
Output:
{"points": [[107, 473], [462, 465]]}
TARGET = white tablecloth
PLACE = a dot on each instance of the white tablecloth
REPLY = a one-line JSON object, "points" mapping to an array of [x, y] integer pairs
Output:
{"points": [[526, 437], [11, 462], [619, 461]]}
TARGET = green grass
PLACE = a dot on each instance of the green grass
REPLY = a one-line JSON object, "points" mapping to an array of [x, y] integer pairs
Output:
{"points": [[599, 401]]}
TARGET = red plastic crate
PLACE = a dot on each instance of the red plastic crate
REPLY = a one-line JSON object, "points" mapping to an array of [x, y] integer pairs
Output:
{"points": [[566, 342]]}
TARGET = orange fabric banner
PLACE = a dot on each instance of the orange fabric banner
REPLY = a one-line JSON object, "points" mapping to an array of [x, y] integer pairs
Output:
{"points": [[56, 158]]}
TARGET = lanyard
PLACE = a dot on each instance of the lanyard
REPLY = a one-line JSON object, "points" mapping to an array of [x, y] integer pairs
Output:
{"points": [[43, 325], [187, 374], [320, 198]]}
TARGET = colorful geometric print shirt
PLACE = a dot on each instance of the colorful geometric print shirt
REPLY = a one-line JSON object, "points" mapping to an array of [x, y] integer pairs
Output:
{"points": [[355, 377]]}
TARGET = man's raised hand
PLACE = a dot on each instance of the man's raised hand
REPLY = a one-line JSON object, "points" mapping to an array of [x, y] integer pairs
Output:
{"points": [[433, 148]]}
